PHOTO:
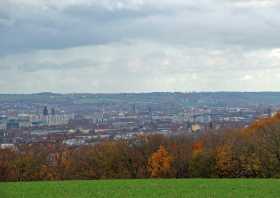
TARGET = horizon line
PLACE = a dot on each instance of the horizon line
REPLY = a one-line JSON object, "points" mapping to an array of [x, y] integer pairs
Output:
{"points": [[143, 92]]}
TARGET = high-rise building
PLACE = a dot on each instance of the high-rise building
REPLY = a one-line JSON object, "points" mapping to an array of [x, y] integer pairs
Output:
{"points": [[45, 111]]}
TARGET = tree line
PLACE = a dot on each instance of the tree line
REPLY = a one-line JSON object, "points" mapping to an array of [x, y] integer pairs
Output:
{"points": [[252, 152]]}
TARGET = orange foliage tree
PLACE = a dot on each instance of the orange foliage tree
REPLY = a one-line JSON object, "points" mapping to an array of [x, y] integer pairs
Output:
{"points": [[265, 137], [160, 162]]}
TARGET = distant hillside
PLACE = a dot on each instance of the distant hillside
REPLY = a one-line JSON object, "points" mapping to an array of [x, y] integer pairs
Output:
{"points": [[176, 99]]}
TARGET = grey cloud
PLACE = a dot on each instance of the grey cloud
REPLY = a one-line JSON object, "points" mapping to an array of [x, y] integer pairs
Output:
{"points": [[48, 65], [141, 66], [201, 24]]}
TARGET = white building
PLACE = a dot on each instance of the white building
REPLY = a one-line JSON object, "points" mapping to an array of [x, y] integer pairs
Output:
{"points": [[3, 126]]}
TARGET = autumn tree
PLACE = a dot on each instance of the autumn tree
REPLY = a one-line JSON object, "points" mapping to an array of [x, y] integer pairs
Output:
{"points": [[28, 162], [7, 171], [238, 156], [180, 149], [160, 163], [202, 162], [265, 136]]}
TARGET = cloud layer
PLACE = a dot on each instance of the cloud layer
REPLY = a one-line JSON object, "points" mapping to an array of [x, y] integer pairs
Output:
{"points": [[139, 45]]}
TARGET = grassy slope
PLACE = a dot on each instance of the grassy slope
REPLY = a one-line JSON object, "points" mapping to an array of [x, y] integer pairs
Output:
{"points": [[143, 188]]}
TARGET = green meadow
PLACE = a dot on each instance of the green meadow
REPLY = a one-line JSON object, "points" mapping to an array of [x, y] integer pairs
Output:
{"points": [[192, 188]]}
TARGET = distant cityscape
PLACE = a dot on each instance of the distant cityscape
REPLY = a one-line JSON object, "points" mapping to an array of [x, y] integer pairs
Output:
{"points": [[80, 119]]}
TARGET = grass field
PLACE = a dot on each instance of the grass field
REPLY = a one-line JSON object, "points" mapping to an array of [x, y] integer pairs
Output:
{"points": [[196, 188]]}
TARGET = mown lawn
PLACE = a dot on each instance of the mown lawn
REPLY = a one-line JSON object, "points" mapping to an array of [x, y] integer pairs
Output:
{"points": [[193, 188]]}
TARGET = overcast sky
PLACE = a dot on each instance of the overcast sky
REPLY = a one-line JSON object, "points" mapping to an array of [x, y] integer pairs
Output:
{"points": [[139, 45]]}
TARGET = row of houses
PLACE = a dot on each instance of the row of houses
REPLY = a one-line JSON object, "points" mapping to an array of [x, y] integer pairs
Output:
{"points": [[29, 120]]}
